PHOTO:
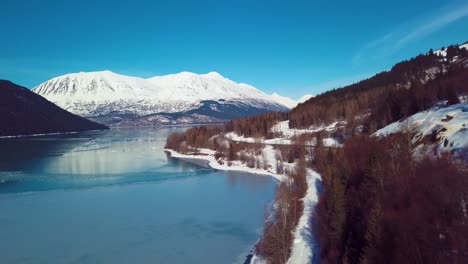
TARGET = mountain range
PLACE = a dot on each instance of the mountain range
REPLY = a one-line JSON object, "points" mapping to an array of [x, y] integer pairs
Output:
{"points": [[183, 98], [23, 112]]}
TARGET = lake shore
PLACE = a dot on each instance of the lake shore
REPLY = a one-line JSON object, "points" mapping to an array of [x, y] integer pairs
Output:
{"points": [[304, 248]]}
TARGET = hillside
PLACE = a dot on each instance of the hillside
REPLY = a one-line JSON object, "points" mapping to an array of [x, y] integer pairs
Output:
{"points": [[23, 112], [380, 192], [410, 86], [436, 130]]}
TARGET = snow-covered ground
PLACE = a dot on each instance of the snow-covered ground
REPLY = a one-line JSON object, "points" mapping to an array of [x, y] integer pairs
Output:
{"points": [[274, 141], [304, 244], [286, 134], [450, 125], [284, 129]]}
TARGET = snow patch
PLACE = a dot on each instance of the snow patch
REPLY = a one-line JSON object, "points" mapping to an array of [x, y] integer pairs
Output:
{"points": [[303, 245], [450, 124], [284, 129], [443, 52]]}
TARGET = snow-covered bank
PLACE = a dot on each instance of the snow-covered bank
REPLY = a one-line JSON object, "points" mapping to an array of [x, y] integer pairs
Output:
{"points": [[304, 244], [304, 247], [208, 156]]}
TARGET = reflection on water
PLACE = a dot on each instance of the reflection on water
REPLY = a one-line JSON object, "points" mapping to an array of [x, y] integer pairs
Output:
{"points": [[116, 154], [115, 197], [89, 159], [102, 152]]}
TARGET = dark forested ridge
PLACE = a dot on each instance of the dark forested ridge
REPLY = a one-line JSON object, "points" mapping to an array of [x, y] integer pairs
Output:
{"points": [[23, 112], [410, 86]]}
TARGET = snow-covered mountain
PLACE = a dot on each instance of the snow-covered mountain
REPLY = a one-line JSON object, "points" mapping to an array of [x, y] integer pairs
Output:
{"points": [[284, 100], [177, 98], [289, 102], [304, 98]]}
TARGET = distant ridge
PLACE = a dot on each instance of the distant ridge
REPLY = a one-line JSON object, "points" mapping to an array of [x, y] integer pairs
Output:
{"points": [[23, 112]]}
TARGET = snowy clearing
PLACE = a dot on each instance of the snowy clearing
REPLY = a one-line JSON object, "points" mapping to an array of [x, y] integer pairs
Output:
{"points": [[282, 128], [449, 125]]}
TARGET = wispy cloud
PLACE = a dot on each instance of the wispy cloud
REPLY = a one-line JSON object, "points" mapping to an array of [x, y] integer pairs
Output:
{"points": [[412, 31]]}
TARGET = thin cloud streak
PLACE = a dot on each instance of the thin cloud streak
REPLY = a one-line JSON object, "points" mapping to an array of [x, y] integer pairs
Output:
{"points": [[410, 32], [434, 25]]}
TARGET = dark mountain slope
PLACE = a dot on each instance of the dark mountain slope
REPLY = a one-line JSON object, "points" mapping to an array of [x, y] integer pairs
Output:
{"points": [[410, 86], [23, 112]]}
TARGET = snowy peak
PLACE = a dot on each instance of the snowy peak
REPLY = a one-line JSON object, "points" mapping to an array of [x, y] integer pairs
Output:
{"points": [[304, 98], [213, 75], [191, 87], [284, 100], [288, 102], [94, 94], [101, 86]]}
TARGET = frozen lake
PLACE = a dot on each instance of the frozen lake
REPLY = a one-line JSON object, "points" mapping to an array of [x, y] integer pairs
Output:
{"points": [[115, 197]]}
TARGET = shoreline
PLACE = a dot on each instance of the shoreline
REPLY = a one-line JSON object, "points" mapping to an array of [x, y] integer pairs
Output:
{"points": [[51, 134], [45, 134], [209, 161], [212, 163], [303, 249]]}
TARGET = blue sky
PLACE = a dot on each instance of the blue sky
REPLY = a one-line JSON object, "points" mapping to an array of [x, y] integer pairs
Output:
{"points": [[289, 47]]}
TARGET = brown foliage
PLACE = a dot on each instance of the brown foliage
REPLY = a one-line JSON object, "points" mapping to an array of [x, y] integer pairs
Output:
{"points": [[382, 206], [256, 126], [275, 244], [196, 137]]}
